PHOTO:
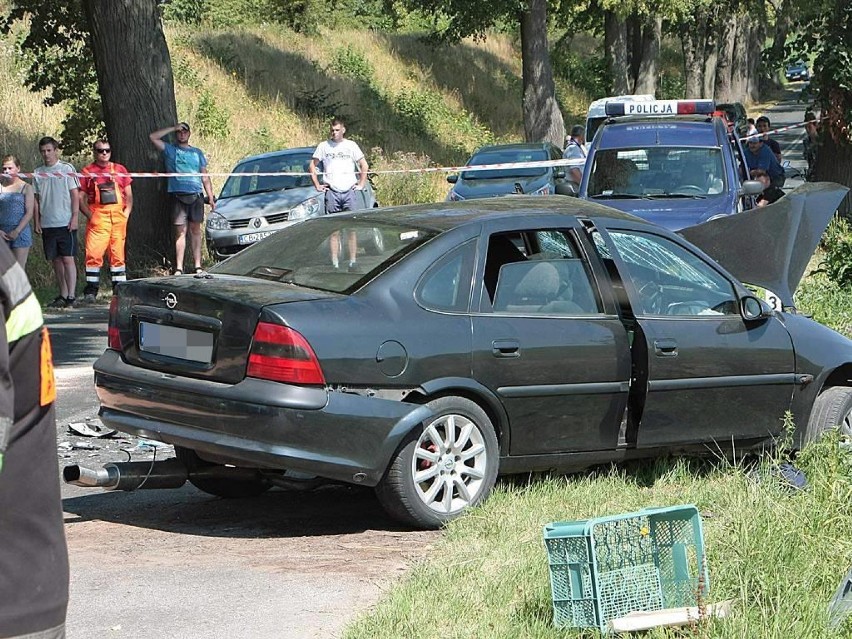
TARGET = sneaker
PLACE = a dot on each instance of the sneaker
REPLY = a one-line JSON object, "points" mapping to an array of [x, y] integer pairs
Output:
{"points": [[89, 298], [70, 302], [58, 302], [353, 267]]}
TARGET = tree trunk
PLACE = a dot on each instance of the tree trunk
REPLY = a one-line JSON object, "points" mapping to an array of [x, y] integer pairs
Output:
{"points": [[756, 26], [711, 52], [724, 91], [834, 153], [542, 116], [692, 40], [783, 18], [615, 46], [740, 58], [137, 89], [648, 54]]}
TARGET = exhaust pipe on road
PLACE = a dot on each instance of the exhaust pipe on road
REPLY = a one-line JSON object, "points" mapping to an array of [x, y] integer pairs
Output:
{"points": [[167, 473]]}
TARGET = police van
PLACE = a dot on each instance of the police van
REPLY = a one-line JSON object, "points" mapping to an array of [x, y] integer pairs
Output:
{"points": [[672, 162], [596, 114]]}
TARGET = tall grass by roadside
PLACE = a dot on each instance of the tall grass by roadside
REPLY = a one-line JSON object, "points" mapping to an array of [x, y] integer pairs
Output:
{"points": [[779, 554]]}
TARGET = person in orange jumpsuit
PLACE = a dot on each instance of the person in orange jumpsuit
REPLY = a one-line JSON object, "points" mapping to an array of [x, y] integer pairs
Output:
{"points": [[107, 202]]}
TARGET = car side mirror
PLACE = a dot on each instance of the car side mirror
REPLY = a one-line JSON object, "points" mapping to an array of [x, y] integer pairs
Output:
{"points": [[452, 179], [752, 187], [754, 308], [568, 188], [559, 174]]}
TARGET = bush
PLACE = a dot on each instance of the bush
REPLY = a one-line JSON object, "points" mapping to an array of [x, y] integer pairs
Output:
{"points": [[213, 121], [837, 244], [320, 103], [352, 64], [393, 189], [587, 74]]}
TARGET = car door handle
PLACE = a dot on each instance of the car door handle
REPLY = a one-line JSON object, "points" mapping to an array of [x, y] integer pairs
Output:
{"points": [[665, 347], [505, 348]]}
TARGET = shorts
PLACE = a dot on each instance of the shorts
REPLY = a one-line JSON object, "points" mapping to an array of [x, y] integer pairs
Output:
{"points": [[337, 201], [187, 207], [59, 242]]}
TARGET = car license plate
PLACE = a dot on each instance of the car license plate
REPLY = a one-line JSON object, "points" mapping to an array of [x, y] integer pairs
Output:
{"points": [[174, 341], [251, 238]]}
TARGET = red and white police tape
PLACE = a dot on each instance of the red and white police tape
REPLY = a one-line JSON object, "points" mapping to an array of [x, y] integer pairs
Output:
{"points": [[782, 129], [430, 169]]}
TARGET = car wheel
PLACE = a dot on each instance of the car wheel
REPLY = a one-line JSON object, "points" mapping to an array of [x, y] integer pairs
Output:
{"points": [[375, 243], [441, 471], [832, 409], [221, 487]]}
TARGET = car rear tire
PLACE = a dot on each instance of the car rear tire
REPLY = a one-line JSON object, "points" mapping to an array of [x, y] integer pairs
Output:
{"points": [[832, 409], [448, 467], [220, 487]]}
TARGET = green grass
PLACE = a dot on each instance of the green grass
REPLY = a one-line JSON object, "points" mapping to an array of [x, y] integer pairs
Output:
{"points": [[779, 554]]}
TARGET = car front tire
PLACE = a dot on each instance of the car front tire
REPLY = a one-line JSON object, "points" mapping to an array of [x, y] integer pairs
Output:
{"points": [[832, 409], [445, 469]]}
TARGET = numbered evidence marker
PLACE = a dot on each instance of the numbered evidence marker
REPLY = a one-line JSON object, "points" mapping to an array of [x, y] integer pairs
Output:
{"points": [[773, 300]]}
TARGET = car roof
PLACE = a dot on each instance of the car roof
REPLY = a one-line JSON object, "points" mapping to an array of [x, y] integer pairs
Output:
{"points": [[644, 132], [273, 154], [518, 146], [443, 216]]}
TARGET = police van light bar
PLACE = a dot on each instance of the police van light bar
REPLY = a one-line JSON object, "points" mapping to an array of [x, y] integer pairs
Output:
{"points": [[661, 107]]}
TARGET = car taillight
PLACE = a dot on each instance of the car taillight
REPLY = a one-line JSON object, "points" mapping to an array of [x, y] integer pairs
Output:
{"points": [[113, 337], [280, 354]]}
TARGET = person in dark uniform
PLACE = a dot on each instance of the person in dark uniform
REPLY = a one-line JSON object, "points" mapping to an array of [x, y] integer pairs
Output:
{"points": [[33, 553]]}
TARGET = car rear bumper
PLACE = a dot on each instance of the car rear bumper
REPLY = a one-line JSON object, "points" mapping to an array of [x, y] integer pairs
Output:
{"points": [[258, 424]]}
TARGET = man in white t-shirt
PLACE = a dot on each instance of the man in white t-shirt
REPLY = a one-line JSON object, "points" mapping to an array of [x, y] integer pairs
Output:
{"points": [[344, 171]]}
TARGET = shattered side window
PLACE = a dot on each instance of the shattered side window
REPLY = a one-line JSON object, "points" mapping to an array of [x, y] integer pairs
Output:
{"points": [[669, 280]]}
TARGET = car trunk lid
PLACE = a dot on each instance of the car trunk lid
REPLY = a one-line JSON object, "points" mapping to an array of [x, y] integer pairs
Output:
{"points": [[198, 326]]}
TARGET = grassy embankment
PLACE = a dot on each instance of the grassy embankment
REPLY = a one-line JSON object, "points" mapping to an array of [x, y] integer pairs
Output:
{"points": [[255, 90]]}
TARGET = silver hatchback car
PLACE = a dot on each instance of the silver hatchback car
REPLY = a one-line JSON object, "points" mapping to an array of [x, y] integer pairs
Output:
{"points": [[251, 207]]}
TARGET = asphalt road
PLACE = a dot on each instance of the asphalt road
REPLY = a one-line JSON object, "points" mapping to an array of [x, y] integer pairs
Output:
{"points": [[787, 112], [182, 564]]}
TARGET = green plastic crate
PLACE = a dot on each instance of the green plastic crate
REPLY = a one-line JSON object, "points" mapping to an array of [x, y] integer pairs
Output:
{"points": [[607, 567]]}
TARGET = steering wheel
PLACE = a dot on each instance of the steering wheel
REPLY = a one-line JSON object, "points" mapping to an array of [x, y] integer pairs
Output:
{"points": [[651, 296], [689, 189]]}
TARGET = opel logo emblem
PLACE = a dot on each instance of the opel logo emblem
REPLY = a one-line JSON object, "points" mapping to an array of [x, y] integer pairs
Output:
{"points": [[257, 222], [171, 300]]}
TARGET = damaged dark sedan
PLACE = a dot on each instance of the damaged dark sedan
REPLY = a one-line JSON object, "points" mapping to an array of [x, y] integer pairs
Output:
{"points": [[488, 337]]}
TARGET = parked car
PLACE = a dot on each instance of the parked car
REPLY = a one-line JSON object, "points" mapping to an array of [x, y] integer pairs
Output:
{"points": [[251, 207], [502, 336], [535, 180], [797, 71], [672, 162], [736, 114]]}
